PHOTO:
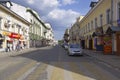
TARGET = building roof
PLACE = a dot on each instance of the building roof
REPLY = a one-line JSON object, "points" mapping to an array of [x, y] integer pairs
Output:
{"points": [[36, 16]]}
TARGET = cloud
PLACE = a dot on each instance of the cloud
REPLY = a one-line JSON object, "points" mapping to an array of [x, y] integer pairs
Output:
{"points": [[49, 11], [43, 6], [66, 2], [63, 17], [30, 1]]}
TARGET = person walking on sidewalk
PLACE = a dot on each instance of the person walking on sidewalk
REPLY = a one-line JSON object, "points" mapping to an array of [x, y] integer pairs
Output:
{"points": [[17, 47], [8, 47]]}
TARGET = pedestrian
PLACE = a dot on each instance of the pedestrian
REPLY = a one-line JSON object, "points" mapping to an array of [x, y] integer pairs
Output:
{"points": [[8, 47], [18, 47]]}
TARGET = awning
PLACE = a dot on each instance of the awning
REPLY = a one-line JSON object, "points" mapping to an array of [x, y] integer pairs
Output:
{"points": [[96, 34], [112, 29]]}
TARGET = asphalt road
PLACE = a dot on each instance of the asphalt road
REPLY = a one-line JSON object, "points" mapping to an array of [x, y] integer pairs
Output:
{"points": [[53, 63]]}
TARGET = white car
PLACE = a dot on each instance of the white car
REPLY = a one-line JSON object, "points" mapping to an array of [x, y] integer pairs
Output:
{"points": [[75, 49]]}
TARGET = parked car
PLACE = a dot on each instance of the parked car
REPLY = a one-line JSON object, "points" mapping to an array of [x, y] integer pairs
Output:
{"points": [[75, 49], [65, 45]]}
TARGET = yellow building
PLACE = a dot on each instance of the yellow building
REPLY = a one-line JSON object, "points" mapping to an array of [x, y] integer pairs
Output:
{"points": [[100, 26], [74, 31], [13, 29]]}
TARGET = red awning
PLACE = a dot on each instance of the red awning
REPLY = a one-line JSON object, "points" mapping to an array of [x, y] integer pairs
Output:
{"points": [[15, 35]]}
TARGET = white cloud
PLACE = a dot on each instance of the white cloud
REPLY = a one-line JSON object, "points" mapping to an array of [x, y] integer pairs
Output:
{"points": [[42, 4], [30, 1], [63, 17], [49, 10], [65, 2]]}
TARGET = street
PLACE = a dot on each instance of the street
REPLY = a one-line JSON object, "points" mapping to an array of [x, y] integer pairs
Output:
{"points": [[53, 63]]}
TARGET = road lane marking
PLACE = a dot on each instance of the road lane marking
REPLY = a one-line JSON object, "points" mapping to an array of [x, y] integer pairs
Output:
{"points": [[38, 72], [21, 71], [28, 72]]}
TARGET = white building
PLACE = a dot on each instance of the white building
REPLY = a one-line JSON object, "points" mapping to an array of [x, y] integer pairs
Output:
{"points": [[37, 29], [13, 29], [49, 34]]}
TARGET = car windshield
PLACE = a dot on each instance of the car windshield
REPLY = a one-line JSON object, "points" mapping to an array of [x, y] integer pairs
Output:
{"points": [[74, 46]]}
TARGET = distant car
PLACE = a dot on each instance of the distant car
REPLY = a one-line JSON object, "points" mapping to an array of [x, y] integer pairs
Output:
{"points": [[75, 49], [65, 45]]}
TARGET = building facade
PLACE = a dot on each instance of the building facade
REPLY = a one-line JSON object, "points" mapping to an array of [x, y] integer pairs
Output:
{"points": [[37, 29], [13, 30], [100, 27], [75, 31], [49, 35], [67, 36]]}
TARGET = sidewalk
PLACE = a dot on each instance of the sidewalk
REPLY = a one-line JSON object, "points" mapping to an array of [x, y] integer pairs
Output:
{"points": [[13, 53], [112, 60]]}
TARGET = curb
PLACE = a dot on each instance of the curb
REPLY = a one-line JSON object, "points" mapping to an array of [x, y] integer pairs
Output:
{"points": [[14, 53]]}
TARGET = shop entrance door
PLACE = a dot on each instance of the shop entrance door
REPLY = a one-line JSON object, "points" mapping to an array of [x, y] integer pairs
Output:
{"points": [[90, 44], [118, 44]]}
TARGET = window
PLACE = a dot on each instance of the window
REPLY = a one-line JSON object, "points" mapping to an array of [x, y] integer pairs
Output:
{"points": [[0, 22], [92, 25], [101, 20], [86, 29], [95, 23], [108, 16], [119, 10], [89, 27]]}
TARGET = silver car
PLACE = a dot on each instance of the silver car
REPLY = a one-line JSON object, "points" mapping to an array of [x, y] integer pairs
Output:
{"points": [[75, 49]]}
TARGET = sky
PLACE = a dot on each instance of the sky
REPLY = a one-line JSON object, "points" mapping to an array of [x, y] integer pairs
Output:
{"points": [[61, 14]]}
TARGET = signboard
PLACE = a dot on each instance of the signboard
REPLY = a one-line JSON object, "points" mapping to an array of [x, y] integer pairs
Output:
{"points": [[107, 49], [107, 44], [15, 35]]}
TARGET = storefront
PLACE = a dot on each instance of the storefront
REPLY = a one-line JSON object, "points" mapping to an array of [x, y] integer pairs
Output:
{"points": [[12, 39], [90, 42], [98, 39], [115, 39]]}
